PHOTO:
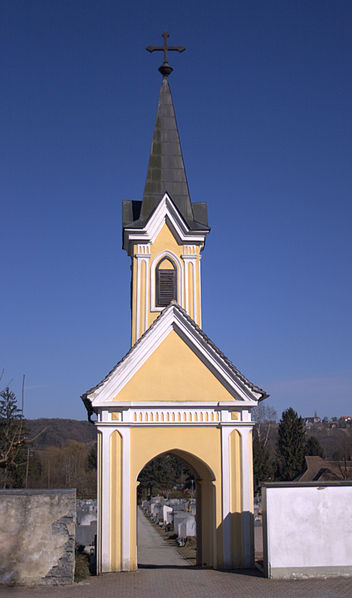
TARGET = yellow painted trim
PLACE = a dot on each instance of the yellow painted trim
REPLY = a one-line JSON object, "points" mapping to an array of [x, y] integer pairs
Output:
{"points": [[236, 494], [115, 499], [165, 241], [190, 290], [166, 264], [133, 524]]}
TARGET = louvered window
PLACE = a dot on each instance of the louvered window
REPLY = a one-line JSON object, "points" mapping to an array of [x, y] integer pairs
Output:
{"points": [[166, 287]]}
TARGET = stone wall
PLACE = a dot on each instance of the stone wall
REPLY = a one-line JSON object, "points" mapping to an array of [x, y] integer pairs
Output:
{"points": [[37, 536]]}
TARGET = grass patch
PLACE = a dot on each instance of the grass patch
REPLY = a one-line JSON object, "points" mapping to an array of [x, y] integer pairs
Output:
{"points": [[81, 566]]}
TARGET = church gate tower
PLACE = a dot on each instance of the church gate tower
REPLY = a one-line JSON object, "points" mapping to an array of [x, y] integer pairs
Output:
{"points": [[174, 392]]}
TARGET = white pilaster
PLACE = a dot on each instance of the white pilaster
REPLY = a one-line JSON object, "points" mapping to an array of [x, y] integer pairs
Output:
{"points": [[247, 529], [146, 301], [194, 291], [200, 291], [142, 256], [126, 507], [226, 488], [138, 306], [105, 498], [190, 259], [186, 262]]}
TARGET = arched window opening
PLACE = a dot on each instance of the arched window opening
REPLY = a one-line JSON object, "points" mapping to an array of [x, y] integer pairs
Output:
{"points": [[166, 283]]}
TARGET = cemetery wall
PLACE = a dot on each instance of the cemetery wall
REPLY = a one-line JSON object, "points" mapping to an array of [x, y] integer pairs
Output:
{"points": [[307, 529], [37, 536]]}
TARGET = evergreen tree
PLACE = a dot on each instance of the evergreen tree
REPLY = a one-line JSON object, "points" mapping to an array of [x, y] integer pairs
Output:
{"points": [[12, 441], [92, 457], [291, 445], [313, 447], [162, 474], [262, 465]]}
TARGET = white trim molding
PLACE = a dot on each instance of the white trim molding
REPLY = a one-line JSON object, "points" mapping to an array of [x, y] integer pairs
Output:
{"points": [[105, 565], [247, 557], [190, 258], [142, 258], [166, 211], [172, 318], [226, 494]]}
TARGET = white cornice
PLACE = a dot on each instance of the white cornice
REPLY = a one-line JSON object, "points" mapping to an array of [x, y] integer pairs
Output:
{"points": [[223, 406], [166, 211], [117, 424], [173, 319], [216, 405]]}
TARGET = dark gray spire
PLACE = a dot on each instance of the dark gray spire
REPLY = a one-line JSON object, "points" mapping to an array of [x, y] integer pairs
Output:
{"points": [[166, 170]]}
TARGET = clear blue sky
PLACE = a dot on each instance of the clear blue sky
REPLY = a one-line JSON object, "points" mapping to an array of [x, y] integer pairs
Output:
{"points": [[263, 98]]}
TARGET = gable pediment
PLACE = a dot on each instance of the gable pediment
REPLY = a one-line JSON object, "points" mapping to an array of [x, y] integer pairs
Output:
{"points": [[174, 362], [165, 212]]}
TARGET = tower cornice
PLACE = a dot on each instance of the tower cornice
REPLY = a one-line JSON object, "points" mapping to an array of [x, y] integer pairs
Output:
{"points": [[165, 212]]}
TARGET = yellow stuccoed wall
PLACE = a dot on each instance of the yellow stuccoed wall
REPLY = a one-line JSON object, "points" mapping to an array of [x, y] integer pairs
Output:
{"points": [[202, 444], [165, 241], [201, 448], [173, 373]]}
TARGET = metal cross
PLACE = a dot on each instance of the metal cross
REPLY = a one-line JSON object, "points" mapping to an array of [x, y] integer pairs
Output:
{"points": [[165, 68]]}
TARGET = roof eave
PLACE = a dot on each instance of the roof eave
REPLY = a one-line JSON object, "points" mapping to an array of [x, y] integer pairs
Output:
{"points": [[248, 388]]}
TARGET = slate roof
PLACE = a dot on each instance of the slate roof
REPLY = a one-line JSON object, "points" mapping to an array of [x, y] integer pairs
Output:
{"points": [[166, 173], [219, 353]]}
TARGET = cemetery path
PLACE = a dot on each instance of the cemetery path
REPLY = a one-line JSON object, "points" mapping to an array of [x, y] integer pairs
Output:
{"points": [[153, 550]]}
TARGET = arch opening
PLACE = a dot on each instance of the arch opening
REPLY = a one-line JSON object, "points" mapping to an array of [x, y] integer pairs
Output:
{"points": [[175, 491], [172, 267], [165, 282]]}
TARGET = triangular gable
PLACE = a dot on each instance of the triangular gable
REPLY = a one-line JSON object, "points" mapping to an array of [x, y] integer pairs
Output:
{"points": [[166, 211], [174, 330], [174, 373]]}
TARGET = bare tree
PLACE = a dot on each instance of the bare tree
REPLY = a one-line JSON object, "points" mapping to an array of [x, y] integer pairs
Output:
{"points": [[264, 416]]}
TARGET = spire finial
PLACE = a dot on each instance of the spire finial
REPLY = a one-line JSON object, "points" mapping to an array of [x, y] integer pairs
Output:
{"points": [[165, 69]]}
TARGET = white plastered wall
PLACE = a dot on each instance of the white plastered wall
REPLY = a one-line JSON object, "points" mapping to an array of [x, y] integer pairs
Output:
{"points": [[307, 529]]}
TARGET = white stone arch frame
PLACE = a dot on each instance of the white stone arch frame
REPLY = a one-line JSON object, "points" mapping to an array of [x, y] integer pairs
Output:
{"points": [[179, 268]]}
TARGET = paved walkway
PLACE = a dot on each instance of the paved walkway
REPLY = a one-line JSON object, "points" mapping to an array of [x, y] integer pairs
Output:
{"points": [[152, 549], [173, 578]]}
